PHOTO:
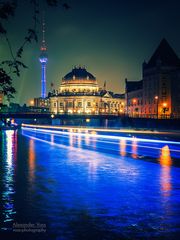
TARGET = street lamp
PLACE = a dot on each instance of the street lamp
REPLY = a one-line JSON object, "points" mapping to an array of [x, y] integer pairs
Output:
{"points": [[157, 102], [164, 104], [31, 102], [134, 103]]}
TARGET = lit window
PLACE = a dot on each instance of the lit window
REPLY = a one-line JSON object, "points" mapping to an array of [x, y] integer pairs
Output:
{"points": [[70, 104], [79, 104]]}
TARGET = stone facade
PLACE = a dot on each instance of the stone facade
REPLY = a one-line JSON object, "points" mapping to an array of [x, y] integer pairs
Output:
{"points": [[158, 95]]}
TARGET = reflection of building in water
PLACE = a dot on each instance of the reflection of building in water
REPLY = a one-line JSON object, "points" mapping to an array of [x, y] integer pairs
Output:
{"points": [[95, 161], [74, 140], [122, 147], [79, 140], [87, 138], [166, 162], [31, 159], [134, 148], [93, 142], [52, 139], [92, 168], [71, 140], [79, 93], [9, 154], [9, 142]]}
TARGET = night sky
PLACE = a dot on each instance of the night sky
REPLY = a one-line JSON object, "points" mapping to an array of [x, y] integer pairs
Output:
{"points": [[111, 38]]}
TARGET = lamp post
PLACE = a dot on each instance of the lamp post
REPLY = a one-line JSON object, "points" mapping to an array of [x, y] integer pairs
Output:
{"points": [[57, 102], [134, 104], [157, 103], [127, 107]]}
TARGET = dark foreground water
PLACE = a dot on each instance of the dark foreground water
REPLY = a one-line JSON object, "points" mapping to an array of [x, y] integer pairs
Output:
{"points": [[58, 187]]}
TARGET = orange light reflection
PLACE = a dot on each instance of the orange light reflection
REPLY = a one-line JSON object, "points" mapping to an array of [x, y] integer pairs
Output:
{"points": [[134, 148], [165, 179], [31, 159], [123, 147]]}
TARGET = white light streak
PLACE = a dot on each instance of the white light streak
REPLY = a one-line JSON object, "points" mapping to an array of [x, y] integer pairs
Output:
{"points": [[47, 129]]}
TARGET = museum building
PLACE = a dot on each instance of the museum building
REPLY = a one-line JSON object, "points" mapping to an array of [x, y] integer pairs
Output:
{"points": [[79, 93]]}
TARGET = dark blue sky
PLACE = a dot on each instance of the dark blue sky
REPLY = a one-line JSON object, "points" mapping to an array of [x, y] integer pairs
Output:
{"points": [[111, 38]]}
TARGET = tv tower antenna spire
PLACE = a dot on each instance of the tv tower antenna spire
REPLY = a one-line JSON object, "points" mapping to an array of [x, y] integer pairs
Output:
{"points": [[43, 60]]}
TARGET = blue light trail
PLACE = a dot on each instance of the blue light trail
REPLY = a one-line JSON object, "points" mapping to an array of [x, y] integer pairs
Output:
{"points": [[107, 143]]}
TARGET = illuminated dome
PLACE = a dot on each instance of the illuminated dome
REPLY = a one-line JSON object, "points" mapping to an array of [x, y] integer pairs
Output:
{"points": [[79, 80], [79, 73]]}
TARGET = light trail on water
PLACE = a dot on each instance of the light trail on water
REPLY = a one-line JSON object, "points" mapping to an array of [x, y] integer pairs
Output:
{"points": [[144, 147]]}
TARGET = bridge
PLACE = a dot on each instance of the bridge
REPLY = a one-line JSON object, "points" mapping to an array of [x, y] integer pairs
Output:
{"points": [[104, 120], [33, 115]]}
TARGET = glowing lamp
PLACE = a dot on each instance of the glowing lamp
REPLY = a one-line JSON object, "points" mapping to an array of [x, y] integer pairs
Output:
{"points": [[31, 102]]}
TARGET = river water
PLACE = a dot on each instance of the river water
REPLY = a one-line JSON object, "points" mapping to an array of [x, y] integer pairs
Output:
{"points": [[74, 187]]}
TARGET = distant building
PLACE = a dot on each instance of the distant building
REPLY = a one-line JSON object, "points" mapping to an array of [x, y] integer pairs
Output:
{"points": [[134, 98], [41, 103], [3, 107], [158, 94], [79, 93], [37, 109], [1, 97]]}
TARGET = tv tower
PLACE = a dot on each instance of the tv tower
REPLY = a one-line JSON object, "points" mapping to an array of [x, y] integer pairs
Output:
{"points": [[43, 60]]}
